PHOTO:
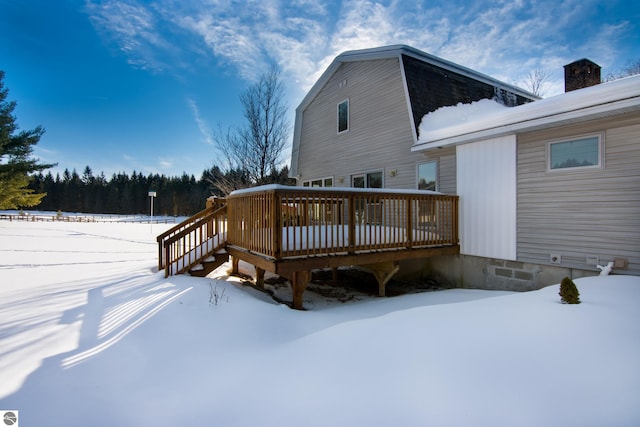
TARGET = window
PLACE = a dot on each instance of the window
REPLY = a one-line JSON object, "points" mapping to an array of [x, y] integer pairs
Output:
{"points": [[428, 176], [367, 180], [582, 152], [343, 116], [322, 182]]}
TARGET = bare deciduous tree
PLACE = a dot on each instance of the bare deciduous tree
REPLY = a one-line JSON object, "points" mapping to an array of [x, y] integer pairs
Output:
{"points": [[256, 148], [631, 68], [535, 80]]}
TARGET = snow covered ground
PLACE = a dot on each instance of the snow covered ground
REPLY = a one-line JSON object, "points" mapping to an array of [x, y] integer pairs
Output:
{"points": [[91, 334]]}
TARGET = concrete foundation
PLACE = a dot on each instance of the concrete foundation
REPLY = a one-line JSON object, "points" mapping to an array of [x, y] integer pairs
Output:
{"points": [[464, 271]]}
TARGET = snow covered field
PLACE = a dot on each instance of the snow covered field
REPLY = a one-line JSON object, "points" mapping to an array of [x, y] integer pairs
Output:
{"points": [[92, 335]]}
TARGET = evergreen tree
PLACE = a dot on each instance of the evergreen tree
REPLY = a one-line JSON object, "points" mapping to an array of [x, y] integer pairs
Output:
{"points": [[16, 162], [569, 291], [123, 194]]}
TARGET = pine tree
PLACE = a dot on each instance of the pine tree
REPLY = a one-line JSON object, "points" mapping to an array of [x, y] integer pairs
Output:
{"points": [[569, 291], [16, 162]]}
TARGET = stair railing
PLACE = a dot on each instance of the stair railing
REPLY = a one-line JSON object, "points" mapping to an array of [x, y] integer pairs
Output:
{"points": [[192, 241]]}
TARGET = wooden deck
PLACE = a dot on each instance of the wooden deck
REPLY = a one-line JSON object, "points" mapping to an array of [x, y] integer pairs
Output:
{"points": [[291, 231]]}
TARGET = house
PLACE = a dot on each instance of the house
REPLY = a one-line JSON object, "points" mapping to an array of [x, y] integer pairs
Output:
{"points": [[357, 124], [547, 189]]}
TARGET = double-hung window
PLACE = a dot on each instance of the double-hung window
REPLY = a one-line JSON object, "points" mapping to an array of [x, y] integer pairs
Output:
{"points": [[428, 176], [367, 180], [343, 116], [322, 182], [575, 153]]}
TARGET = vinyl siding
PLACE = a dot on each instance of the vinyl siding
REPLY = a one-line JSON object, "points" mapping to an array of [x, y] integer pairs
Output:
{"points": [[379, 135], [486, 178], [447, 171], [446, 159], [578, 214]]}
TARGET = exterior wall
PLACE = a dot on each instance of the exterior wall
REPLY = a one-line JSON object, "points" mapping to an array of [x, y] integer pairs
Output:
{"points": [[379, 135], [591, 214], [586, 217], [486, 180]]}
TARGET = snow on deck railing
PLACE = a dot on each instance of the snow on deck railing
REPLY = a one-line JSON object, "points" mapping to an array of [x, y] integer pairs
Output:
{"points": [[280, 221]]}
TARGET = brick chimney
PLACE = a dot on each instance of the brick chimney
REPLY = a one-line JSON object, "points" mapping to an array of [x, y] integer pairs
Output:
{"points": [[581, 73]]}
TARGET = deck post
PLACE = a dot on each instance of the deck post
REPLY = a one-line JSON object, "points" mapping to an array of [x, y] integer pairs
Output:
{"points": [[352, 223], [260, 277], [235, 265], [160, 254], [277, 225], [299, 283], [383, 272]]}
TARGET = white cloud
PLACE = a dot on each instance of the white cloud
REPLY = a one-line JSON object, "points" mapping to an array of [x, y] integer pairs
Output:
{"points": [[304, 36], [228, 39], [134, 29], [165, 164], [202, 125]]}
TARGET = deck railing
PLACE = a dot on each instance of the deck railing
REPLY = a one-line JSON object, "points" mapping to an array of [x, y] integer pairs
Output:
{"points": [[190, 242], [282, 222]]}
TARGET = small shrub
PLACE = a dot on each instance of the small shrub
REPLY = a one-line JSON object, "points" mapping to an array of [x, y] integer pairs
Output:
{"points": [[215, 296], [569, 292]]}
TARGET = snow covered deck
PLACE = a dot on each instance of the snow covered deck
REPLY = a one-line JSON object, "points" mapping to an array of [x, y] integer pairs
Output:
{"points": [[291, 231]]}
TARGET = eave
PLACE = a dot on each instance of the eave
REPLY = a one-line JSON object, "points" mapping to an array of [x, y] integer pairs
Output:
{"points": [[596, 102]]}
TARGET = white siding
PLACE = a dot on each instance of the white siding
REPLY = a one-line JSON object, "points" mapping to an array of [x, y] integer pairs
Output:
{"points": [[486, 181]]}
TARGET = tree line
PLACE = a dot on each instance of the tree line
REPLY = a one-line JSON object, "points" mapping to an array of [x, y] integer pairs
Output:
{"points": [[252, 153], [129, 194]]}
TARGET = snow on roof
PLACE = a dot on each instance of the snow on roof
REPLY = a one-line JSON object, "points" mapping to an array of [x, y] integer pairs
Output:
{"points": [[481, 120], [457, 115]]}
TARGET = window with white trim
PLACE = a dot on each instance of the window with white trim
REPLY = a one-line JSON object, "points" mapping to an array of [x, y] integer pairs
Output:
{"points": [[368, 180], [575, 153], [428, 176], [343, 116], [321, 182]]}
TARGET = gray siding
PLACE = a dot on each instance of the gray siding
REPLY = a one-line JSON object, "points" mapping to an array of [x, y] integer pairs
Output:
{"points": [[446, 170], [379, 135], [586, 213], [446, 158]]}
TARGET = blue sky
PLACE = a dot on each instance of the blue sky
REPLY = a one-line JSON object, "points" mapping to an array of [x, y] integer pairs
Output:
{"points": [[124, 85]]}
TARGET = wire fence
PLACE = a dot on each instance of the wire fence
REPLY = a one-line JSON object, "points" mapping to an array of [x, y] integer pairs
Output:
{"points": [[57, 217]]}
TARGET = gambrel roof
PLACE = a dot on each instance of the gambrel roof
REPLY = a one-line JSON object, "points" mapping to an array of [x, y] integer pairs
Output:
{"points": [[430, 82]]}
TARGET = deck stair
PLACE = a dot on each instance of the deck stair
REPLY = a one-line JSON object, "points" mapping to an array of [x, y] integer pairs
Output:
{"points": [[209, 264], [196, 245]]}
